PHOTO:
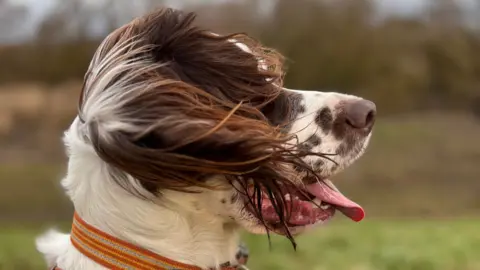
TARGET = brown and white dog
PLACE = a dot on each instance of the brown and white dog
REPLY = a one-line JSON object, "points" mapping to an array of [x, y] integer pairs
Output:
{"points": [[184, 137]]}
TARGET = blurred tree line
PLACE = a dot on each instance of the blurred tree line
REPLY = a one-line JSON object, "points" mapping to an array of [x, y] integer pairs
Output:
{"points": [[403, 63]]}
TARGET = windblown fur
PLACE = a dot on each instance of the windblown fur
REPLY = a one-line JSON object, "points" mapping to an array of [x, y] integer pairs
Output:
{"points": [[176, 125]]}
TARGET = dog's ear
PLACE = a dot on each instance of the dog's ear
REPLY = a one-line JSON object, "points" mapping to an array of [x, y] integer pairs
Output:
{"points": [[178, 151]]}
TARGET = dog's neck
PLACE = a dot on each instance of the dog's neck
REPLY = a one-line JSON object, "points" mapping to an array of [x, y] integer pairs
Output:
{"points": [[172, 232]]}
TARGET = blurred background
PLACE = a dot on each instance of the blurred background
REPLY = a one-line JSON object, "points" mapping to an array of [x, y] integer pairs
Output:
{"points": [[418, 60]]}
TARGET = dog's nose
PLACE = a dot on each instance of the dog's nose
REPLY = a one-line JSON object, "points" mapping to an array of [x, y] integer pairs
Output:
{"points": [[360, 114]]}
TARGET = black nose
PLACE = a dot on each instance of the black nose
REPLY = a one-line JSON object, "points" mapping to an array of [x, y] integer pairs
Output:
{"points": [[360, 113]]}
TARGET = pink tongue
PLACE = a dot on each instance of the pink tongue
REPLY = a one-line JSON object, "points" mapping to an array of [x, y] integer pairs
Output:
{"points": [[342, 203]]}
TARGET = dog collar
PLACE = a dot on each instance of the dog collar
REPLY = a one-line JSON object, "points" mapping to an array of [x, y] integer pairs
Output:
{"points": [[114, 253]]}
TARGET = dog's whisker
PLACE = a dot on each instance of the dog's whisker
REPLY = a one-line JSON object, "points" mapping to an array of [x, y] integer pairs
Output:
{"points": [[303, 116], [304, 128]]}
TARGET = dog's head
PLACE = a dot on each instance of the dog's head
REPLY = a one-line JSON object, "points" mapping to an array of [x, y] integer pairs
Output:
{"points": [[202, 122]]}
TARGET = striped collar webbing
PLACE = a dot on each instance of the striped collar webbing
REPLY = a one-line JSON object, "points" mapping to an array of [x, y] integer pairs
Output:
{"points": [[115, 253]]}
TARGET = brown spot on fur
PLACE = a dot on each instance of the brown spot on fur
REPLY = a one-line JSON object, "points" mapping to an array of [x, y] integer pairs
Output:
{"points": [[314, 140], [319, 163], [301, 109], [324, 119]]}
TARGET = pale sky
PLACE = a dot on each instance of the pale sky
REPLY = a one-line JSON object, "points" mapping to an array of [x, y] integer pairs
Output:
{"points": [[38, 8], [395, 6]]}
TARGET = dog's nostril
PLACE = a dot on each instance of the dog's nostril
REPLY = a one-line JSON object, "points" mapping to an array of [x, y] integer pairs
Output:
{"points": [[360, 113]]}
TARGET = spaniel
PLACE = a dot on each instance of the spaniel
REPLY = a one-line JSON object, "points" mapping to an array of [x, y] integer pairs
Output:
{"points": [[185, 137]]}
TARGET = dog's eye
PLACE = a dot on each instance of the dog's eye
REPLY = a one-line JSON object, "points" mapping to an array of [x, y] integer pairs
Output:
{"points": [[280, 111]]}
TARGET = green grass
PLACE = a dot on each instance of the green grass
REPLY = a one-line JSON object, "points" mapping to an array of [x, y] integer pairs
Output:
{"points": [[17, 250], [376, 245], [369, 245]]}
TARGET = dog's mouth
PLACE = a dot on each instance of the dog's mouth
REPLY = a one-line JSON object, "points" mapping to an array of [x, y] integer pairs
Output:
{"points": [[315, 203]]}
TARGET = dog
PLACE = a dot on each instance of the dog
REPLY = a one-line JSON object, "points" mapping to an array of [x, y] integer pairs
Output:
{"points": [[185, 137]]}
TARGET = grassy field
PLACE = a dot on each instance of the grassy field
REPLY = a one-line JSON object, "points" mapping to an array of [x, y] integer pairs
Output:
{"points": [[376, 245], [370, 245]]}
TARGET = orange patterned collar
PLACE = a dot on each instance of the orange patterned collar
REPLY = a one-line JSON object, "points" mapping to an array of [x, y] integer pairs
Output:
{"points": [[115, 253]]}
